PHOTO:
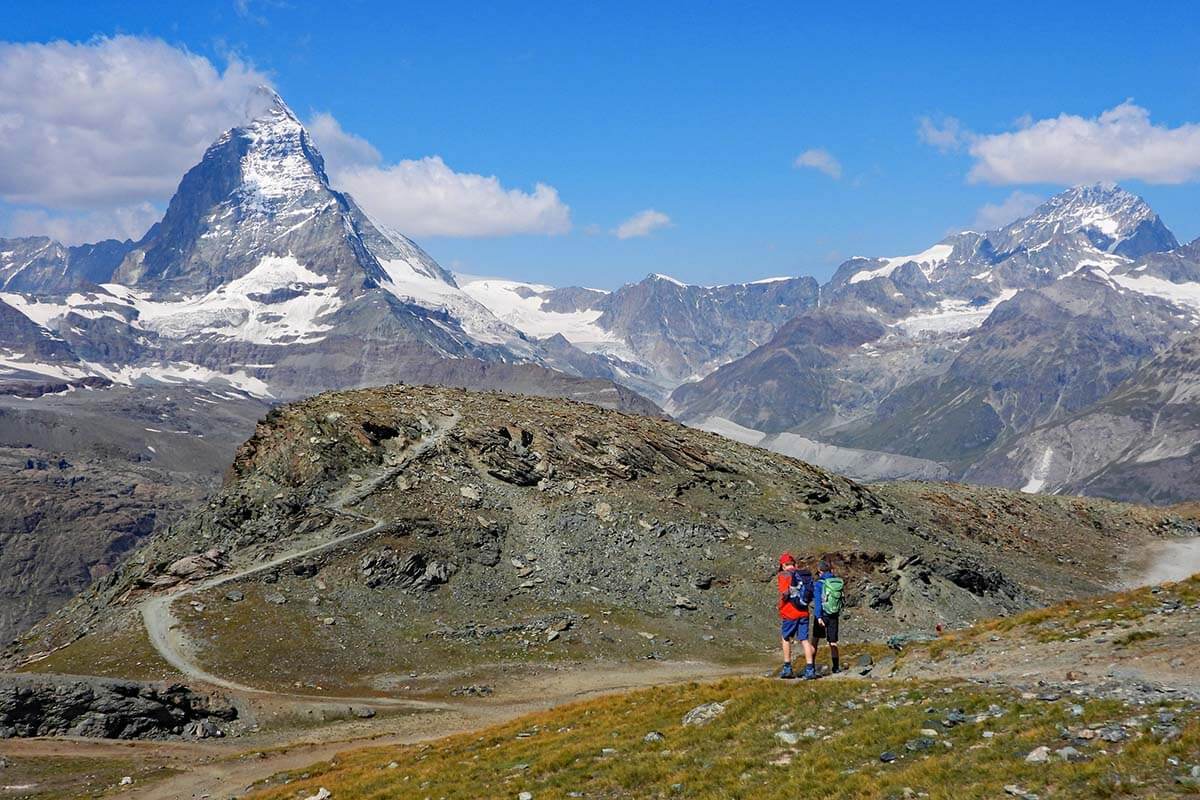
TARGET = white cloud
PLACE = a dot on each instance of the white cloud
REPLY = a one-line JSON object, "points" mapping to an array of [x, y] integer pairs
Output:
{"points": [[425, 197], [642, 223], [947, 136], [1119, 144], [113, 121], [996, 215], [340, 149], [820, 159], [77, 227]]}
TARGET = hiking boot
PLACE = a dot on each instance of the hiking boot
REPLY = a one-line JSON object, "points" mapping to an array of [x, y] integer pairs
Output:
{"points": [[836, 669], [810, 673], [786, 672]]}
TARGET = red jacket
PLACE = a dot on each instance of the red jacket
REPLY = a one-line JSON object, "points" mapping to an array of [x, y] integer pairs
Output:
{"points": [[786, 609]]}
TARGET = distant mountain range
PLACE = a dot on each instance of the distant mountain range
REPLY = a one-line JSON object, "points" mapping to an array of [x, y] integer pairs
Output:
{"points": [[1049, 354]]}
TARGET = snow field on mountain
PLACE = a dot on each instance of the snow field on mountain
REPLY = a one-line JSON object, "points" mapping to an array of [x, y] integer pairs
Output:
{"points": [[525, 313], [926, 260], [1041, 472], [407, 283], [242, 308], [952, 316], [178, 373], [1180, 294]]}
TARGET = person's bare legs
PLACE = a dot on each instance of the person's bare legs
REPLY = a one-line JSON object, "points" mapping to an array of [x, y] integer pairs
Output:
{"points": [[810, 652], [787, 651], [833, 654]]}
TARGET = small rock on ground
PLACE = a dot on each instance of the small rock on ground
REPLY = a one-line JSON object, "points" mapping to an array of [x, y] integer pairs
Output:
{"points": [[703, 714]]}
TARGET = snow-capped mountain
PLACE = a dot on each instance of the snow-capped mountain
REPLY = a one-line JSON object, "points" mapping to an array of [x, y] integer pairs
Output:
{"points": [[260, 276], [1109, 218], [976, 340], [257, 239], [1100, 225]]}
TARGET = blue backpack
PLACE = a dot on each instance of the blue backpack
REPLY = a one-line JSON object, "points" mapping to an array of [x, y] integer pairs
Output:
{"points": [[800, 593]]}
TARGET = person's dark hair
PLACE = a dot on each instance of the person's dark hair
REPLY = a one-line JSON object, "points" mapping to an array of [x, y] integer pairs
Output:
{"points": [[823, 565]]}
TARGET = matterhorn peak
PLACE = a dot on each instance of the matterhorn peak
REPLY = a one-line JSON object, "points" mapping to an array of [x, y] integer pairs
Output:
{"points": [[265, 103], [281, 167]]}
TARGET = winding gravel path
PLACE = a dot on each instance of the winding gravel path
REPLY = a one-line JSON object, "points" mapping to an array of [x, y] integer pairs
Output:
{"points": [[168, 638]]}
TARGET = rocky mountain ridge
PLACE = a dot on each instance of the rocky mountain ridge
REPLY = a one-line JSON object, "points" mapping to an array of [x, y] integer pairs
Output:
{"points": [[447, 509]]}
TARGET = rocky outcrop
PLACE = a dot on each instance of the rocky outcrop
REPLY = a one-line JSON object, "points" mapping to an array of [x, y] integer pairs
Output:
{"points": [[109, 709]]}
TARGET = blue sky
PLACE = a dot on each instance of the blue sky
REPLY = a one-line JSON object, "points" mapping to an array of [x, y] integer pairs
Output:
{"points": [[699, 112]]}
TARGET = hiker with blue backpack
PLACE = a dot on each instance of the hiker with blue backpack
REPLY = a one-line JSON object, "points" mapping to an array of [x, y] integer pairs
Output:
{"points": [[827, 607], [796, 589]]}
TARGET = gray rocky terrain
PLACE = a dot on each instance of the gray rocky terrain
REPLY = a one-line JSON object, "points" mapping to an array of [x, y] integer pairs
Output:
{"points": [[1137, 442], [362, 521]]}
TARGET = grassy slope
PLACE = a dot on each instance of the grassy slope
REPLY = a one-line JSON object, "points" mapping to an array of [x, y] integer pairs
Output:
{"points": [[1075, 618], [566, 751], [124, 651]]}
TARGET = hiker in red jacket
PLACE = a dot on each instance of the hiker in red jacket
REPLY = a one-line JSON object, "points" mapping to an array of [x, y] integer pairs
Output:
{"points": [[795, 592]]}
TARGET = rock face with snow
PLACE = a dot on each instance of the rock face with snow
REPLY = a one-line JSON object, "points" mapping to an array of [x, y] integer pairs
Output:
{"points": [[687, 331], [40, 265], [658, 332], [1041, 355]]}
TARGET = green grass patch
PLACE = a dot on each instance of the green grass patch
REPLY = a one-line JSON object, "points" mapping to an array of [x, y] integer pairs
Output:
{"points": [[1137, 636]]}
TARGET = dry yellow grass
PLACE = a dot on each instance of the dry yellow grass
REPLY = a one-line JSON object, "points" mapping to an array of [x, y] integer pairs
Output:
{"points": [[597, 749], [1068, 619]]}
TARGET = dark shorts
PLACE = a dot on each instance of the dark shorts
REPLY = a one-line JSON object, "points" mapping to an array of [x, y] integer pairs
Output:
{"points": [[828, 631], [793, 628]]}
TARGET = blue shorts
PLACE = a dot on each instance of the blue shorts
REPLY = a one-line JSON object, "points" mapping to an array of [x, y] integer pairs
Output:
{"points": [[794, 628]]}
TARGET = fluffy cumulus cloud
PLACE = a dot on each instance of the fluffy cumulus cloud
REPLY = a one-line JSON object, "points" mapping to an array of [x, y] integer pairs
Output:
{"points": [[1120, 144], [94, 137], [425, 197], [114, 120], [821, 160], [340, 148], [642, 223], [997, 215], [93, 133]]}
